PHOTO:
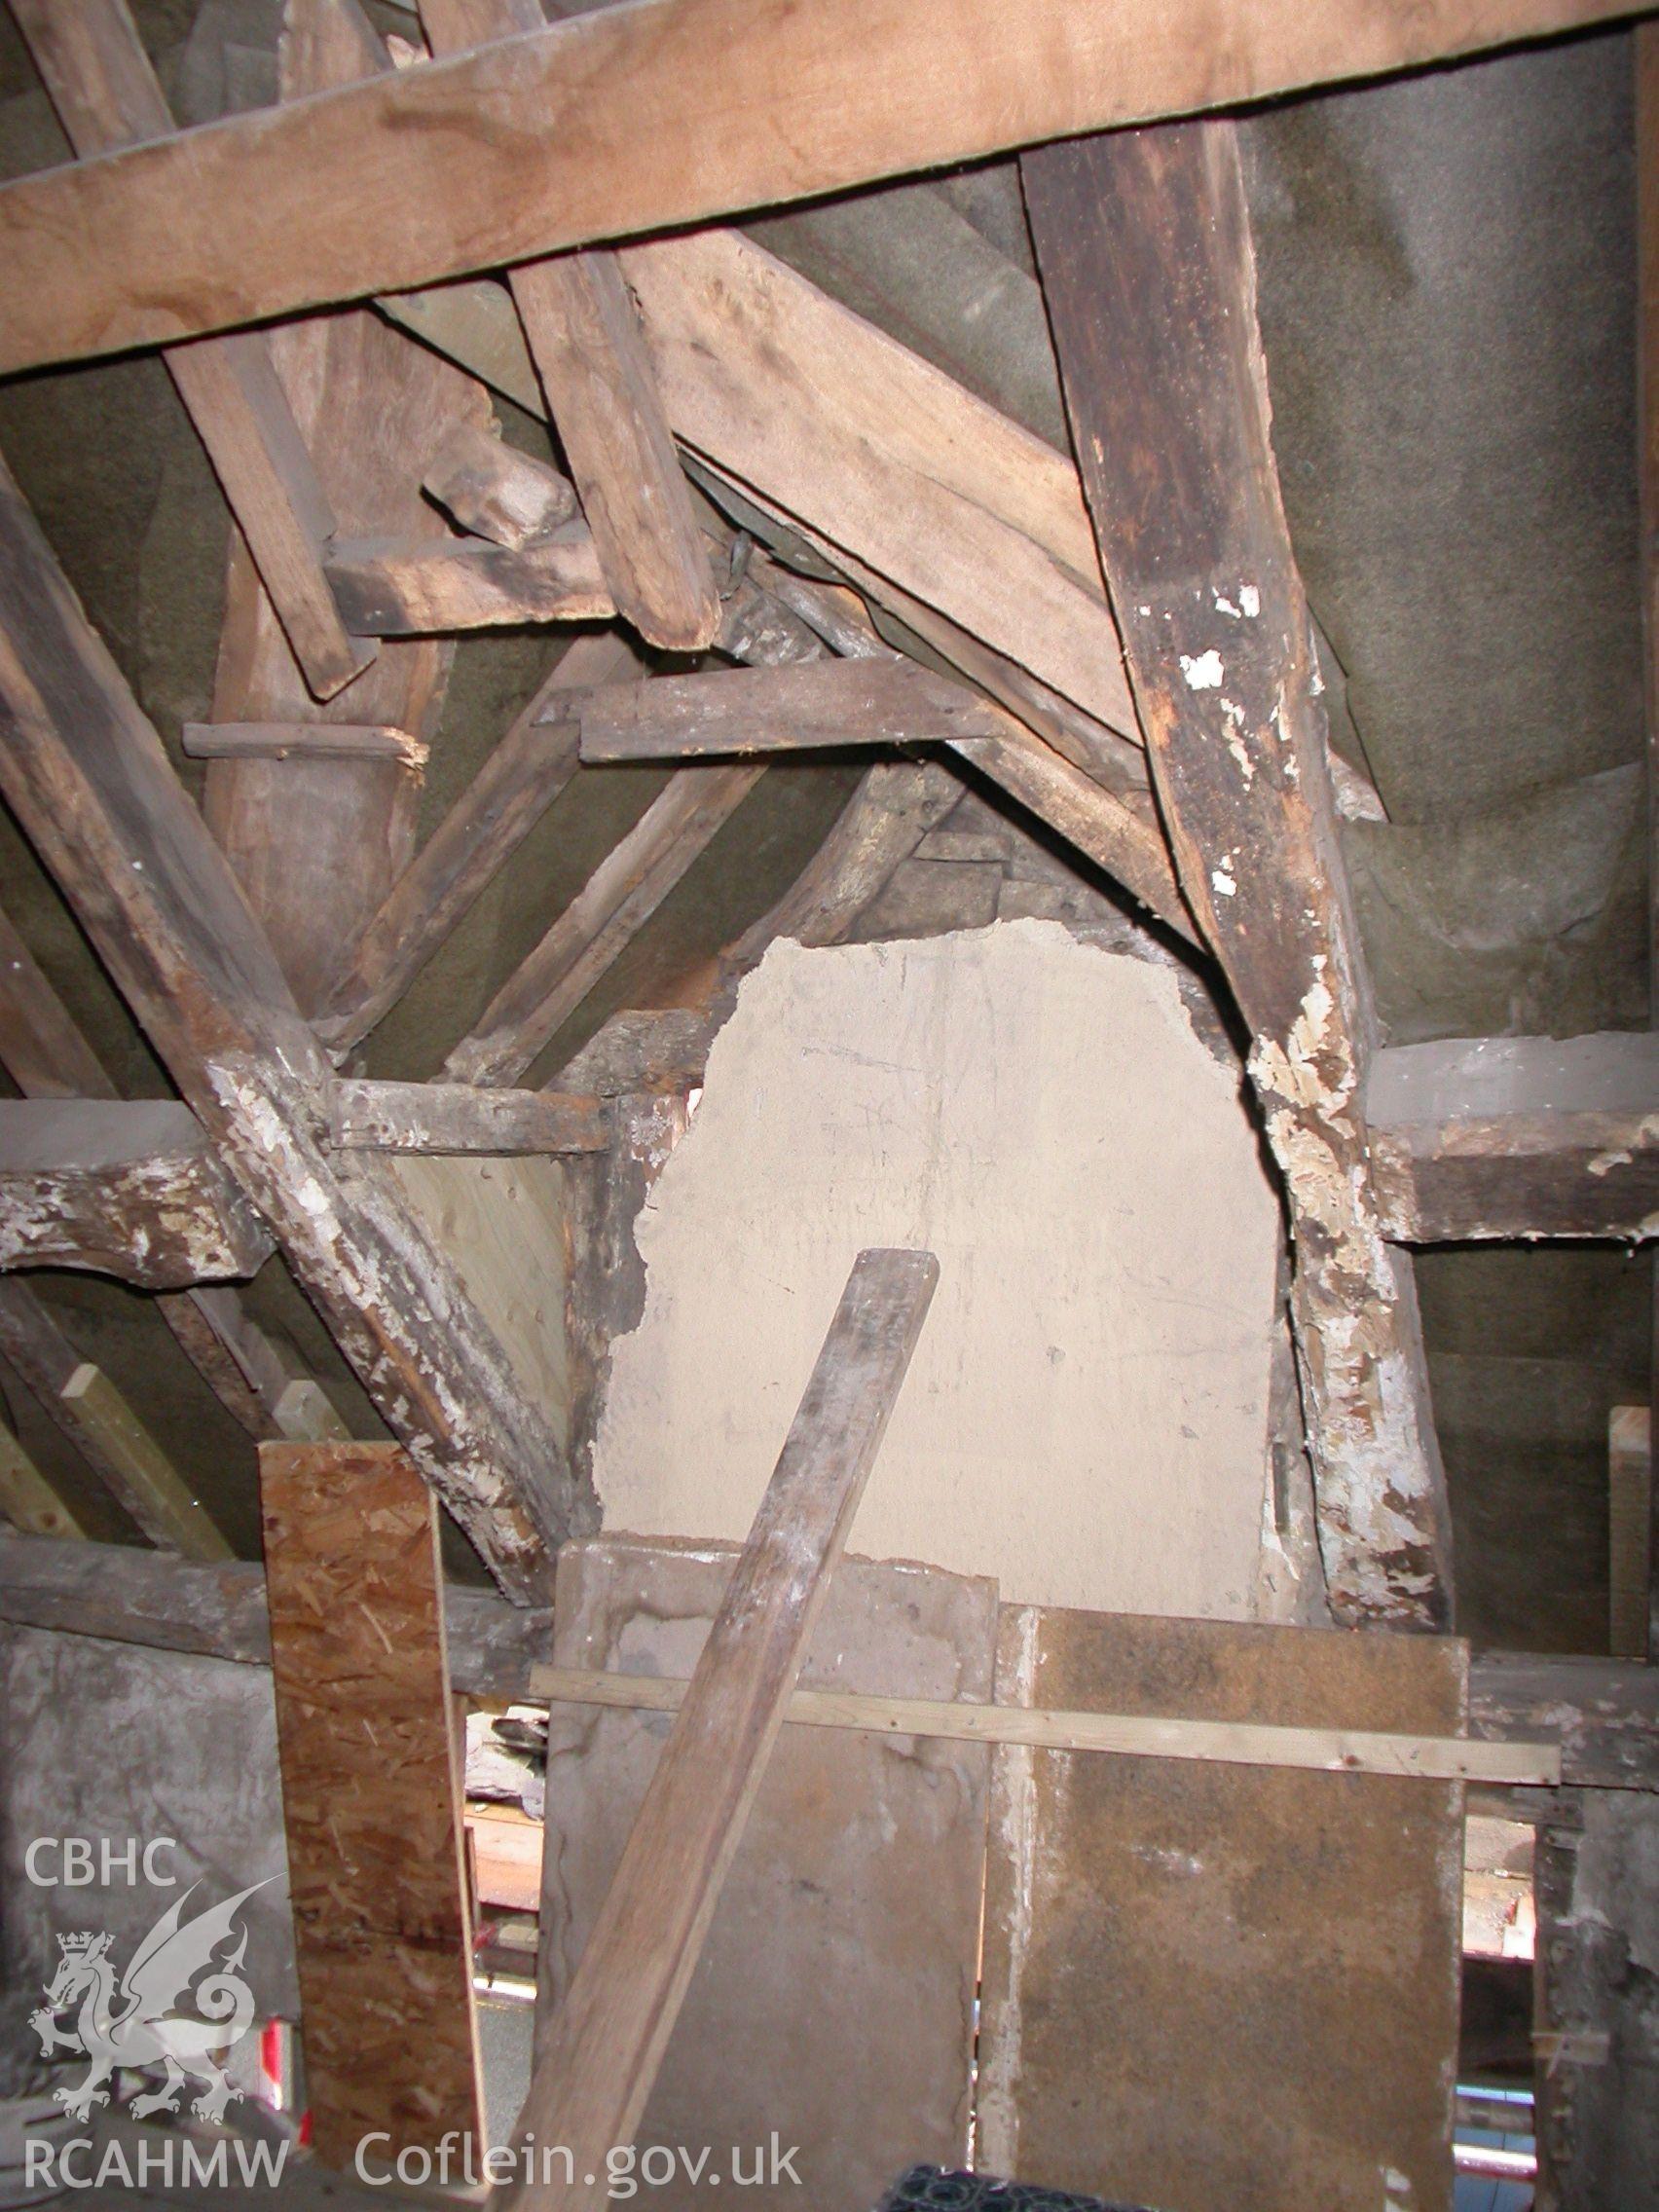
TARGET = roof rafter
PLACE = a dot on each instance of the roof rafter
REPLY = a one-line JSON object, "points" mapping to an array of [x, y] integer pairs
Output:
{"points": [[1143, 240], [87, 778]]}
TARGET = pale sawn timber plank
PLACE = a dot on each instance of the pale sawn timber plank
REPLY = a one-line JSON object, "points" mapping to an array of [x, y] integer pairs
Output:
{"points": [[1324, 1750]]}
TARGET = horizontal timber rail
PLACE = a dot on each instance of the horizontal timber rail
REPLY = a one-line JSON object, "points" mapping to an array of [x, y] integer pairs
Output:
{"points": [[1332, 1751]]}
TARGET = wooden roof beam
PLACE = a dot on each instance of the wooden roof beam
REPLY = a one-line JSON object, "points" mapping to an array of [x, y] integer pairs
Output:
{"points": [[525, 773], [131, 1190], [103, 1428], [589, 936], [106, 94], [90, 783], [457, 1118], [1143, 241], [1517, 1137], [634, 119], [590, 355], [45, 1054]]}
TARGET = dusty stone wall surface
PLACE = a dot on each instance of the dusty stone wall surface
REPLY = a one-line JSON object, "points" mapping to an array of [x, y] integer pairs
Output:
{"points": [[122, 1746], [1086, 1419]]}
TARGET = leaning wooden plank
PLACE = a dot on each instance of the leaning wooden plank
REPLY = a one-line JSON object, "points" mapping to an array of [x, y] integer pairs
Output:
{"points": [[600, 2050], [584, 334], [102, 1426], [106, 95], [149, 1598], [827, 703], [90, 784], [371, 1800], [687, 109], [1646, 55], [1144, 245], [388, 588], [456, 1116], [623, 892], [132, 1190], [491, 489], [529, 766], [277, 741], [41, 1047], [28, 1500], [1319, 1750]]}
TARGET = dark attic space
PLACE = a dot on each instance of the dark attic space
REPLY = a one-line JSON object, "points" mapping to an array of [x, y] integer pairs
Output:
{"points": [[829, 1105]]}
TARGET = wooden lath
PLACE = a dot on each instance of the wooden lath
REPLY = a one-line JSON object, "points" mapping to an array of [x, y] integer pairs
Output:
{"points": [[687, 109], [1143, 240]]}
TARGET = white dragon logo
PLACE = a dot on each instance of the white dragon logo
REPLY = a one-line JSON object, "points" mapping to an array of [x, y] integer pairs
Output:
{"points": [[135, 2026]]}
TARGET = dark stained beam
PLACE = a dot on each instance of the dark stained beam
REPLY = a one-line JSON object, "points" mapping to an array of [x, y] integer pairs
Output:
{"points": [[106, 94], [589, 936], [528, 769], [583, 332], [816, 704], [88, 780], [1511, 1137], [457, 1118], [639, 117], [1144, 246], [391, 588]]}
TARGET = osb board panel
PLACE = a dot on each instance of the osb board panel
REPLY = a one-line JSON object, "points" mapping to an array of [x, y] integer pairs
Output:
{"points": [[833, 2003], [1211, 1985], [501, 1222], [370, 1795]]}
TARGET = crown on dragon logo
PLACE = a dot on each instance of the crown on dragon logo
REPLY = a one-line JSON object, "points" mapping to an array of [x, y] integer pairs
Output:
{"points": [[85, 1945]]}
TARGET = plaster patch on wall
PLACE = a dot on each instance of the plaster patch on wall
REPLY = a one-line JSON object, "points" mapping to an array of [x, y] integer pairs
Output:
{"points": [[1086, 1415]]}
